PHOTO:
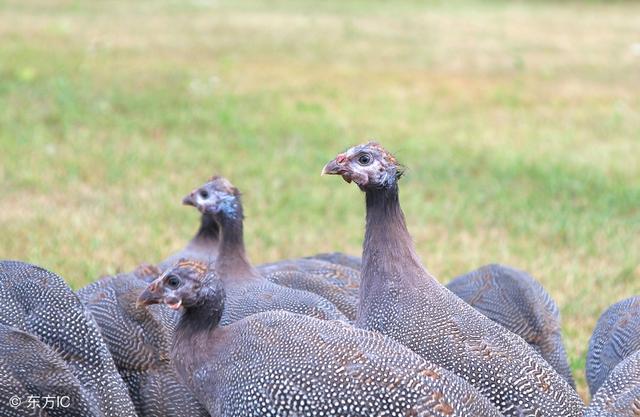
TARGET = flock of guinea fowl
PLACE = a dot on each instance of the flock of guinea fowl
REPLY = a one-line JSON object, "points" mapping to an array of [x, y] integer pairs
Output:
{"points": [[205, 333]]}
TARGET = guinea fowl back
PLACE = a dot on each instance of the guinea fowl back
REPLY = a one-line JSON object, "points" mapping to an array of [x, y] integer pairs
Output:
{"points": [[38, 302], [619, 395], [339, 258], [140, 341], [513, 299], [283, 364], [35, 375], [399, 298], [616, 336], [335, 283]]}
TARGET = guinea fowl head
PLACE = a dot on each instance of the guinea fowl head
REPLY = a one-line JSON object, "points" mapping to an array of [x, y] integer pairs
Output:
{"points": [[216, 196], [369, 165], [187, 284]]}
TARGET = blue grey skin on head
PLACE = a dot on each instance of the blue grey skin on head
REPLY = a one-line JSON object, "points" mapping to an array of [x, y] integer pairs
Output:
{"points": [[400, 299], [282, 364], [619, 395], [616, 336], [40, 303], [516, 301]]}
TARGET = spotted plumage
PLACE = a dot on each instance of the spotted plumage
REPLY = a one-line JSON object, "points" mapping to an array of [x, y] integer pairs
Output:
{"points": [[336, 283], [515, 300], [399, 298], [38, 302], [140, 341], [616, 336], [619, 395], [281, 364], [34, 373]]}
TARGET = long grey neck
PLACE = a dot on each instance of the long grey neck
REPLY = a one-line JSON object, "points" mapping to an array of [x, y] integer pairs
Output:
{"points": [[232, 263], [203, 317], [207, 238], [386, 234], [197, 328], [389, 259]]}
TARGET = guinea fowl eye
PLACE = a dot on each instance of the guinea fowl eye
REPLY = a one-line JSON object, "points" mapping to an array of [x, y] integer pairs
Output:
{"points": [[364, 159], [173, 281], [204, 194]]}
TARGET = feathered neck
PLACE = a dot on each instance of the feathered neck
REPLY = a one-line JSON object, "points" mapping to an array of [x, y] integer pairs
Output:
{"points": [[202, 317], [207, 238], [209, 230], [194, 337], [232, 263], [388, 251]]}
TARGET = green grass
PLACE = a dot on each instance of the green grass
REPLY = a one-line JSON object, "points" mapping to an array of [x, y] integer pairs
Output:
{"points": [[519, 124]]}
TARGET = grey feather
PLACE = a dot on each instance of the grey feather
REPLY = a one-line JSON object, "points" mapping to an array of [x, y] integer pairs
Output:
{"points": [[616, 336], [515, 300], [38, 302], [619, 395]]}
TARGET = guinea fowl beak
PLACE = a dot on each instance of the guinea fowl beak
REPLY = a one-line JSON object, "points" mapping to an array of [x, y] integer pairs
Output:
{"points": [[189, 200], [337, 167], [332, 168], [148, 296]]}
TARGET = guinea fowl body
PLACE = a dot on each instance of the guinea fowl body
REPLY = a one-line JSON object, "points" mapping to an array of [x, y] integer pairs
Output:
{"points": [[513, 299], [399, 298], [140, 342], [38, 302], [616, 336], [283, 364], [619, 395]]}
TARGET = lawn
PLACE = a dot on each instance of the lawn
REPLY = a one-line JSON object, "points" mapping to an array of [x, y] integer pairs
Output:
{"points": [[519, 124]]}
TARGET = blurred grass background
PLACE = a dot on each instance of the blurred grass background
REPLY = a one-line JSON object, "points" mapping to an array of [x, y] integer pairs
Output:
{"points": [[519, 123]]}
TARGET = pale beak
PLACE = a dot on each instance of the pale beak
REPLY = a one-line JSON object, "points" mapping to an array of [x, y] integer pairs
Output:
{"points": [[189, 200], [332, 168]]}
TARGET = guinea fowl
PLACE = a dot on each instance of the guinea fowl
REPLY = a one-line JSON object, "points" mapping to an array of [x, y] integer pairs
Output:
{"points": [[282, 364], [33, 375], [248, 292], [38, 302], [616, 336], [399, 298], [513, 299], [619, 395], [140, 341], [334, 282], [336, 266]]}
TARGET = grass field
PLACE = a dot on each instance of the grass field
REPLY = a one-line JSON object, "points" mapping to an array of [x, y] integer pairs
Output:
{"points": [[519, 124]]}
